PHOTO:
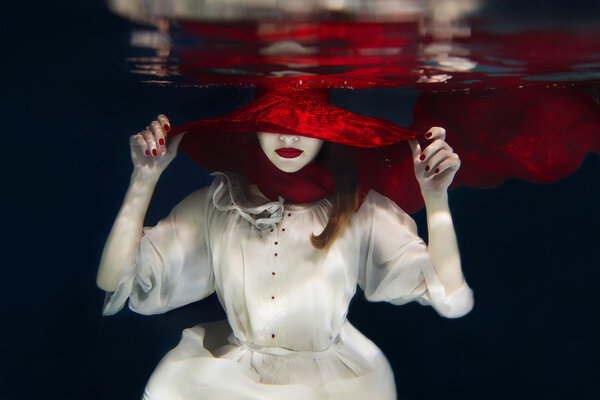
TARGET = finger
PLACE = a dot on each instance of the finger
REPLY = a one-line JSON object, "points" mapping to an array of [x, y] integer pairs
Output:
{"points": [[174, 144], [447, 167], [138, 143], [433, 148], [436, 133], [415, 147], [437, 158], [159, 136], [442, 161], [137, 140], [149, 137], [164, 121]]}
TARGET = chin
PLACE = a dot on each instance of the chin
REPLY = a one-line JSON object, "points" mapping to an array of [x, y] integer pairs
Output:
{"points": [[290, 167]]}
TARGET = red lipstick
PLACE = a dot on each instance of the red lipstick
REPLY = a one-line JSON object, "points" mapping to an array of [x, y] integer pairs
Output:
{"points": [[288, 152]]}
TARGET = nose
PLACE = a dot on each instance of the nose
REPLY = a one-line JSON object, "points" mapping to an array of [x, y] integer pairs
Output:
{"points": [[288, 138]]}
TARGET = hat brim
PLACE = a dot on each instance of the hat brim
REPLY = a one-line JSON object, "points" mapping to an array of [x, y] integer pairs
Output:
{"points": [[305, 113]]}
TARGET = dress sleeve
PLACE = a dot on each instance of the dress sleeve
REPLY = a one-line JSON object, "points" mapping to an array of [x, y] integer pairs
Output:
{"points": [[172, 265], [395, 265]]}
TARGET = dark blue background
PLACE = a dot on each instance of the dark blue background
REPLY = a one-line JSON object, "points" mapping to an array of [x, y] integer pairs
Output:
{"points": [[69, 104]]}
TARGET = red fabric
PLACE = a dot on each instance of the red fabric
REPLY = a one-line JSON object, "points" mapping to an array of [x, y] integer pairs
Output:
{"points": [[539, 135], [301, 112], [310, 184]]}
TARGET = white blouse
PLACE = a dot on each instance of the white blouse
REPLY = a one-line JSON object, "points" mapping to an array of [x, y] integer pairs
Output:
{"points": [[281, 295]]}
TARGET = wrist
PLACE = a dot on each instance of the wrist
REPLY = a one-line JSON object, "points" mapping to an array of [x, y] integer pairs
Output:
{"points": [[143, 179], [435, 199]]}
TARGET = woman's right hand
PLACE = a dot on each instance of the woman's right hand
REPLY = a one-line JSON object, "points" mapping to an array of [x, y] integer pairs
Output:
{"points": [[149, 150]]}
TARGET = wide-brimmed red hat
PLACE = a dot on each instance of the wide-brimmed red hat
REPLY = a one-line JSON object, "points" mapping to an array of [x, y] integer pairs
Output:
{"points": [[302, 112], [225, 143]]}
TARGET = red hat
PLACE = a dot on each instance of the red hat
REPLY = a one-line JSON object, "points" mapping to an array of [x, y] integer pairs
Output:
{"points": [[305, 112], [219, 144], [548, 135]]}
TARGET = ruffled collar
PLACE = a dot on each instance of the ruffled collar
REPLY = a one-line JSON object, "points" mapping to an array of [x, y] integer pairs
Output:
{"points": [[229, 194]]}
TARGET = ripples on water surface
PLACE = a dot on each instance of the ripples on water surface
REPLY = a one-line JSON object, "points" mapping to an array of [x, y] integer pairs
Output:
{"points": [[428, 45]]}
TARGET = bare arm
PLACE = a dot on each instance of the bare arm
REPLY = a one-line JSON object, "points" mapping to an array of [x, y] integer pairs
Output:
{"points": [[435, 167], [150, 155]]}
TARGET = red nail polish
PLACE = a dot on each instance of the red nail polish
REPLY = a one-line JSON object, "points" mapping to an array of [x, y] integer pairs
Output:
{"points": [[161, 141], [422, 157], [154, 153], [427, 168], [437, 170], [167, 128], [147, 153], [428, 135]]}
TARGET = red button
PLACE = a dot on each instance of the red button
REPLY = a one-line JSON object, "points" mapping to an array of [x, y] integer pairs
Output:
{"points": [[272, 297], [276, 243], [272, 273], [289, 215], [272, 336], [275, 254]]}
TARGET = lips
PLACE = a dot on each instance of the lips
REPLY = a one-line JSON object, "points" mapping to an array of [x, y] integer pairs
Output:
{"points": [[288, 152]]}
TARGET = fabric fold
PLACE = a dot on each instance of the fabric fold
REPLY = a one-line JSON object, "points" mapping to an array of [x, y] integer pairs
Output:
{"points": [[224, 200], [286, 301], [114, 301]]}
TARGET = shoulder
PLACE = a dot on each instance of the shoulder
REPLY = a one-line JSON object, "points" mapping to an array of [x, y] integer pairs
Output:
{"points": [[222, 185], [379, 209], [195, 199], [193, 206], [376, 202]]}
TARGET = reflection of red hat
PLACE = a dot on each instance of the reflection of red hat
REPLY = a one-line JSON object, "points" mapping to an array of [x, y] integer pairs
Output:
{"points": [[302, 112]]}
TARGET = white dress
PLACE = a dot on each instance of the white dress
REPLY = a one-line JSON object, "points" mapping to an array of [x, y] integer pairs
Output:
{"points": [[286, 335]]}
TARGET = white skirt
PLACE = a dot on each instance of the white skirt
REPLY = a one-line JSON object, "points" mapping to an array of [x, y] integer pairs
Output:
{"points": [[210, 363]]}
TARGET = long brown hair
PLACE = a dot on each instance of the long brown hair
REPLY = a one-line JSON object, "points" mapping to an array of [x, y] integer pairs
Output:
{"points": [[340, 160]]}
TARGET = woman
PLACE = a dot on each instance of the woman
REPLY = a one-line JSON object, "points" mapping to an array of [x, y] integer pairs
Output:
{"points": [[284, 247]]}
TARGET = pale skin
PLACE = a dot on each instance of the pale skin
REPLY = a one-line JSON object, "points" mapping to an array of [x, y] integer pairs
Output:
{"points": [[435, 167]]}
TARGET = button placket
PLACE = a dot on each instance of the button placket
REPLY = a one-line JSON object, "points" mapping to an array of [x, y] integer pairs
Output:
{"points": [[273, 273], [269, 314], [275, 293]]}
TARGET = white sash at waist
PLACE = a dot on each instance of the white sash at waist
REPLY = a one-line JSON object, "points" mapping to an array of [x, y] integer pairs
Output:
{"points": [[285, 352]]}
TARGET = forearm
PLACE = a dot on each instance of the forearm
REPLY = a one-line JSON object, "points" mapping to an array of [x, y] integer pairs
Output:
{"points": [[443, 246], [124, 238]]}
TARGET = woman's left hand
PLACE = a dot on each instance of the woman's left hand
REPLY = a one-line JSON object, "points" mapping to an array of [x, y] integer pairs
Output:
{"points": [[436, 165]]}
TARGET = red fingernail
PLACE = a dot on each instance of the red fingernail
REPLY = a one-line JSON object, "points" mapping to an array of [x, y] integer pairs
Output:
{"points": [[154, 153], [422, 157], [427, 168], [437, 170], [167, 128], [428, 135], [147, 153], [161, 141]]}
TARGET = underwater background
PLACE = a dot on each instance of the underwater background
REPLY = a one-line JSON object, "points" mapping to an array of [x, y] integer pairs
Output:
{"points": [[530, 252]]}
